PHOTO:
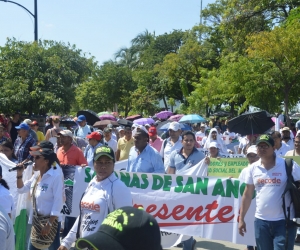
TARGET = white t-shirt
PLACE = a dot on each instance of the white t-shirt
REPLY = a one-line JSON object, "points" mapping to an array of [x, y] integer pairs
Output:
{"points": [[111, 143], [7, 235], [100, 198], [269, 186], [6, 199], [290, 143], [282, 150], [169, 148], [199, 136]]}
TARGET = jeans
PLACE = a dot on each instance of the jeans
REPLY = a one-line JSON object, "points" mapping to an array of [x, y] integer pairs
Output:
{"points": [[69, 222], [272, 234], [54, 246], [188, 244]]}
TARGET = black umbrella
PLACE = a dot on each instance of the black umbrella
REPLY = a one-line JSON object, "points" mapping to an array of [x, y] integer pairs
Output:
{"points": [[91, 116], [251, 123], [125, 122]]}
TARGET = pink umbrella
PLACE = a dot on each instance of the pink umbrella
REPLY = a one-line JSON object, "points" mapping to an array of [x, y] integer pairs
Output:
{"points": [[107, 117], [175, 118], [280, 122], [164, 114]]}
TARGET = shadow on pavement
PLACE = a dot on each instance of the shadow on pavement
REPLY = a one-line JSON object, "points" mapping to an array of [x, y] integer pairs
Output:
{"points": [[213, 245]]}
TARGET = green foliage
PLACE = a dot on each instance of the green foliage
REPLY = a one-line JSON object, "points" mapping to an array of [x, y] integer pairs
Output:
{"points": [[40, 78]]}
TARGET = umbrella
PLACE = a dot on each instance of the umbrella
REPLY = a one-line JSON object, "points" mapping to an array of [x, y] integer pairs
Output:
{"points": [[104, 113], [183, 126], [164, 114], [193, 118], [107, 117], [125, 122], [133, 117], [91, 116], [222, 113], [251, 123], [175, 118], [104, 123], [143, 121]]}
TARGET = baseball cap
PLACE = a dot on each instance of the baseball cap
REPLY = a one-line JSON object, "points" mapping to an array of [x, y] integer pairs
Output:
{"points": [[152, 131], [175, 126], [23, 125], [94, 135], [27, 121], [127, 228], [252, 149], [104, 150], [109, 126], [120, 129], [46, 153], [65, 133], [147, 125], [81, 118], [213, 144], [285, 129], [106, 130], [265, 138], [34, 123], [42, 144]]}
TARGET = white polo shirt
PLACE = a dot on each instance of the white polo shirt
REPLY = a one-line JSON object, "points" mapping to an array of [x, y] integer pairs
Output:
{"points": [[282, 150], [269, 186], [166, 151]]}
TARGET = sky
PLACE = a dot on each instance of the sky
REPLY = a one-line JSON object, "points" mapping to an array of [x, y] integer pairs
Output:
{"points": [[98, 27]]}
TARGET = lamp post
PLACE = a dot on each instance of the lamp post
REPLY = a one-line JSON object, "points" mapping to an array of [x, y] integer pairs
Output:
{"points": [[35, 16]]}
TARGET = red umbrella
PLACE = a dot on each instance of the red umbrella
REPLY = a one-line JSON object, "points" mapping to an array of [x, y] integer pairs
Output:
{"points": [[133, 117]]}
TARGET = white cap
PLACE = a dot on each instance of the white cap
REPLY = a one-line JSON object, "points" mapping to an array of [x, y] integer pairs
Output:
{"points": [[175, 126], [147, 125], [252, 149], [213, 144], [27, 121], [66, 133]]}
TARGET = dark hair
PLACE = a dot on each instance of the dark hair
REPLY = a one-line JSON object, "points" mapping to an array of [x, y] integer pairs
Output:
{"points": [[143, 134], [9, 145], [4, 184], [188, 132], [276, 133]]}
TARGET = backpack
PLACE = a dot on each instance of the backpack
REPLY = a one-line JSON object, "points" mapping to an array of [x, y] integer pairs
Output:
{"points": [[292, 187]]}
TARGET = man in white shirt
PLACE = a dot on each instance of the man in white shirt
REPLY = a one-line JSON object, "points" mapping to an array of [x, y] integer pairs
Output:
{"points": [[268, 177], [200, 134], [280, 148], [83, 129], [171, 144], [286, 137], [108, 141]]}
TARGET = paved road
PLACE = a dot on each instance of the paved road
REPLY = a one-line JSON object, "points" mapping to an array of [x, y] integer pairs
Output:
{"points": [[204, 244]]}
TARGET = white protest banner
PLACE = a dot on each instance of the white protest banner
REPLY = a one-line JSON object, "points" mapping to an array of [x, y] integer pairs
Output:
{"points": [[222, 155], [206, 207]]}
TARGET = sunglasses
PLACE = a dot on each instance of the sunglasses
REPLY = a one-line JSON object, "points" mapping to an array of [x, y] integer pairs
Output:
{"points": [[37, 157]]}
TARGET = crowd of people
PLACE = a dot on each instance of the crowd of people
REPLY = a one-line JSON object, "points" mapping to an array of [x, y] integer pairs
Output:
{"points": [[145, 151]]}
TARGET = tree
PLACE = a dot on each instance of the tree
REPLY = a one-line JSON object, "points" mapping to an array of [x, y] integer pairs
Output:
{"points": [[41, 78]]}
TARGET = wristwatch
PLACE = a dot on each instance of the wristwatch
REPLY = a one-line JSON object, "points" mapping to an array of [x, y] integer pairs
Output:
{"points": [[49, 223]]}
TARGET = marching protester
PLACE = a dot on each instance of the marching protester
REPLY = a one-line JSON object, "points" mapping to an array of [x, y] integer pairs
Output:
{"points": [[35, 127], [272, 231], [94, 142], [286, 137], [214, 136], [154, 140], [201, 133], [23, 143], [2, 137], [83, 129], [280, 148], [213, 150], [46, 190], [51, 134], [245, 142], [105, 193], [183, 159], [172, 143], [108, 140], [69, 155], [296, 150], [11, 128], [124, 145], [7, 148], [142, 157], [31, 131]]}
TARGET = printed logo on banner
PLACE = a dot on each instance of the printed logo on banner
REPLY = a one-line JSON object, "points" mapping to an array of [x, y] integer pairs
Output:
{"points": [[69, 174]]}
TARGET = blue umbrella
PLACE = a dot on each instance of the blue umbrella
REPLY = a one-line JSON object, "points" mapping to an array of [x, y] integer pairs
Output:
{"points": [[193, 118], [166, 127]]}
